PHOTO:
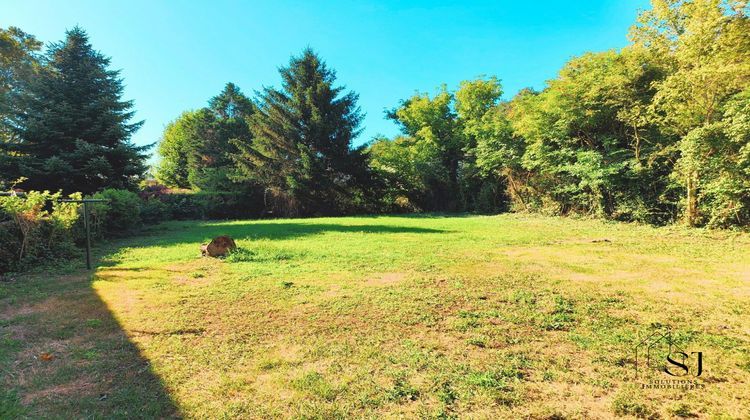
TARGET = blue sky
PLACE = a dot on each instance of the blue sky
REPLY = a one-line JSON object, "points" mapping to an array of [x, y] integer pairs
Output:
{"points": [[175, 55]]}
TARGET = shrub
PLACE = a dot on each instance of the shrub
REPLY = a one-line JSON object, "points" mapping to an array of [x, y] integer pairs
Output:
{"points": [[213, 205], [122, 212], [154, 210], [34, 228]]}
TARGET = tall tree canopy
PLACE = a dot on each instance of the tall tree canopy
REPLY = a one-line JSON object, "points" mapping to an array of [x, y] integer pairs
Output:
{"points": [[654, 132], [19, 62], [302, 151], [440, 135], [196, 148], [73, 127], [705, 45]]}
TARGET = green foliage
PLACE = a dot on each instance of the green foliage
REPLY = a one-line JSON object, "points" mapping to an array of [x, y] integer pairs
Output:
{"points": [[121, 213], [259, 254], [655, 132], [629, 403], [10, 404], [706, 47], [402, 390], [315, 384], [34, 228], [301, 153], [154, 211], [433, 165], [19, 63], [213, 205], [411, 168], [72, 127], [582, 152], [195, 148], [433, 132], [650, 133]]}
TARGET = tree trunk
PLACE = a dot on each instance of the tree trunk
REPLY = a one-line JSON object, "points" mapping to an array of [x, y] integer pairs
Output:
{"points": [[691, 209]]}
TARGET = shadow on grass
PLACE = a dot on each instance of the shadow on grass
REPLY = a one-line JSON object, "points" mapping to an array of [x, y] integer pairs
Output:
{"points": [[198, 231], [64, 355]]}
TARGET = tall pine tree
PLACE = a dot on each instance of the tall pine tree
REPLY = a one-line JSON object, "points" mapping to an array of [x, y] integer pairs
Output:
{"points": [[230, 111], [74, 127], [302, 148]]}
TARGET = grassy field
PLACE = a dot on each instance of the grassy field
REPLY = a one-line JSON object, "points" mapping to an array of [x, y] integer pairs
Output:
{"points": [[485, 317]]}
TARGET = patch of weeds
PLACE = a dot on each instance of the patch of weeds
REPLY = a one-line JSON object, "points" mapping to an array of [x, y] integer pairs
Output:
{"points": [[259, 254], [523, 296], [286, 284], [581, 341], [446, 394], [415, 356], [684, 337], [615, 302], [478, 341], [467, 320], [501, 377], [561, 316], [682, 410], [311, 409], [487, 379], [601, 383], [496, 379], [497, 383], [443, 414], [628, 403], [402, 390], [315, 384], [269, 364], [745, 365], [94, 323], [723, 342], [197, 274], [91, 354], [85, 354]]}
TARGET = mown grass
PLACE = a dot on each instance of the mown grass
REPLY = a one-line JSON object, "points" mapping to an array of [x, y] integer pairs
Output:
{"points": [[503, 316]]}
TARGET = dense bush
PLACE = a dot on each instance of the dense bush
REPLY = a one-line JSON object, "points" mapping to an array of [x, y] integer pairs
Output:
{"points": [[120, 214], [213, 205], [35, 228], [154, 211]]}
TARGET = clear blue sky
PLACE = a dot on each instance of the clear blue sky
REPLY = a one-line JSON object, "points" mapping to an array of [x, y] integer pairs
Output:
{"points": [[175, 55]]}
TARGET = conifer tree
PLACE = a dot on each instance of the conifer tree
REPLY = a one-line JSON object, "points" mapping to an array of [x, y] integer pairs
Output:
{"points": [[302, 148], [195, 148], [73, 125]]}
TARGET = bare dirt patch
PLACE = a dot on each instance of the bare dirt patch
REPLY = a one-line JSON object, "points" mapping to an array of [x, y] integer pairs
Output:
{"points": [[45, 306], [385, 279], [78, 387]]}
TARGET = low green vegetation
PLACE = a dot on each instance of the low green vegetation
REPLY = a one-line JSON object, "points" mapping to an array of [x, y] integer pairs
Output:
{"points": [[431, 316]]}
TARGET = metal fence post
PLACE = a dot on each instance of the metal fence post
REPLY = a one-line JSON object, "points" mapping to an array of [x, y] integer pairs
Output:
{"points": [[88, 234]]}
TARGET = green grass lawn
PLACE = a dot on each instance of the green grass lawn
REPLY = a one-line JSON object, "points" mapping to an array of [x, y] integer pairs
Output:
{"points": [[503, 316]]}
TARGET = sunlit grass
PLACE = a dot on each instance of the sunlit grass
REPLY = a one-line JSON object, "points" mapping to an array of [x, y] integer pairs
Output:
{"points": [[416, 316]]}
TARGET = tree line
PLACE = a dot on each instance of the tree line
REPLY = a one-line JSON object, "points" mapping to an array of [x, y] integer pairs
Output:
{"points": [[656, 132]]}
